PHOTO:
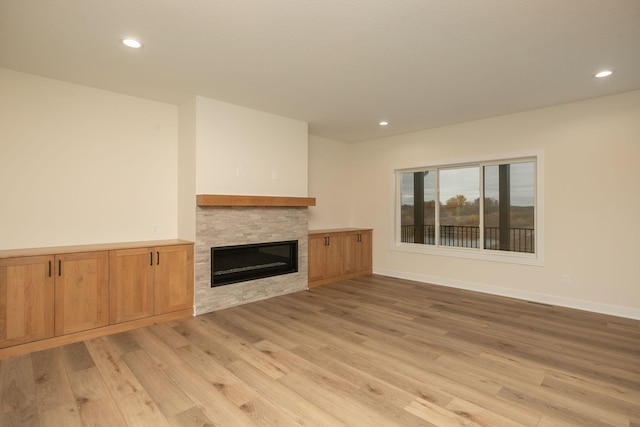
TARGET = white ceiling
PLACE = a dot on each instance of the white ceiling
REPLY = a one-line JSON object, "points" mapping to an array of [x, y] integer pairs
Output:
{"points": [[341, 65]]}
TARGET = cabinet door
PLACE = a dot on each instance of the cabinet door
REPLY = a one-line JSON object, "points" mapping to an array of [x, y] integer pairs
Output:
{"points": [[81, 291], [363, 252], [173, 278], [131, 292], [350, 252], [26, 299], [334, 265], [317, 257]]}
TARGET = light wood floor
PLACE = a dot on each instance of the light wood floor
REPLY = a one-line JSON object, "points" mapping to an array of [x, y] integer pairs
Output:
{"points": [[371, 351]]}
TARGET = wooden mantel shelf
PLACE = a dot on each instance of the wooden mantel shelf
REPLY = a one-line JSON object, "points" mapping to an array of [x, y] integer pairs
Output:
{"points": [[232, 200]]}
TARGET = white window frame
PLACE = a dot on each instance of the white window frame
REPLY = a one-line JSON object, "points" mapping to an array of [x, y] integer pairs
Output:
{"points": [[536, 259]]}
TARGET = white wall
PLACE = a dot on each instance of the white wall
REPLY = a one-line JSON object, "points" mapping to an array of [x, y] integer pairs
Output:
{"points": [[247, 152], [81, 165], [329, 183], [187, 171], [592, 203]]}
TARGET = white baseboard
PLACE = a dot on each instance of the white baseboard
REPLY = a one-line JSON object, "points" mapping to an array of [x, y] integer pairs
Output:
{"points": [[613, 310]]}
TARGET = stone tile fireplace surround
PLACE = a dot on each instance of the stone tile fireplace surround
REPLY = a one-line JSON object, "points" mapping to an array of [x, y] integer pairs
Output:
{"points": [[238, 225]]}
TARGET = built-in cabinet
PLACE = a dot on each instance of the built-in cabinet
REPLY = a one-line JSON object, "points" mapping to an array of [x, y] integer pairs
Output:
{"points": [[132, 288], [325, 256], [173, 278], [54, 293], [81, 291], [149, 281], [26, 295], [339, 254]]}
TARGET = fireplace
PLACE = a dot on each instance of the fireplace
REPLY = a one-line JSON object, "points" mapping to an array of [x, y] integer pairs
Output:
{"points": [[223, 226], [240, 263]]}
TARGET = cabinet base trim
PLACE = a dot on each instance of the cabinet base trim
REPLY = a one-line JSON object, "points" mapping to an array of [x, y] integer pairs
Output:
{"points": [[339, 278], [45, 344]]}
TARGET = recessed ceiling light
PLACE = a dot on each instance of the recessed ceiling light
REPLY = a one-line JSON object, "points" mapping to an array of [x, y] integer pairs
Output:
{"points": [[605, 73], [132, 43], [383, 123]]}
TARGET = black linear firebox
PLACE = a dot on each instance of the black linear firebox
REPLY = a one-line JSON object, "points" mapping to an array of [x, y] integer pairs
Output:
{"points": [[233, 264]]}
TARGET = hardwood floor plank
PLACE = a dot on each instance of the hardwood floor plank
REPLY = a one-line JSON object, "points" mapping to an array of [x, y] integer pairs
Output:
{"points": [[17, 392], [622, 394], [571, 345], [63, 415], [193, 417], [533, 352], [215, 406], [297, 318], [564, 408], [170, 399], [398, 390], [139, 410], [203, 393], [115, 373], [312, 372], [95, 404], [169, 336], [267, 330], [191, 383], [159, 352], [265, 413], [76, 357], [491, 375], [435, 387], [513, 411], [548, 420], [52, 386], [343, 406], [243, 349], [514, 370], [227, 327], [480, 415], [288, 401], [124, 342], [309, 329], [593, 398], [403, 350], [224, 381], [377, 399], [197, 334], [435, 415]]}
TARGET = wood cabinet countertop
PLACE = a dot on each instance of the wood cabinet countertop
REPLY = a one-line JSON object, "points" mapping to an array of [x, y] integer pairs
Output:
{"points": [[14, 253], [339, 230]]}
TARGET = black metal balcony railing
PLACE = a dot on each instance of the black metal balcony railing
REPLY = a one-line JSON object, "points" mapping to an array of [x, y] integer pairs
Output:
{"points": [[520, 239]]}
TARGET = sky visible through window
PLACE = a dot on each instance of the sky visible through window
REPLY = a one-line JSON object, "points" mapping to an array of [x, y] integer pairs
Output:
{"points": [[466, 182]]}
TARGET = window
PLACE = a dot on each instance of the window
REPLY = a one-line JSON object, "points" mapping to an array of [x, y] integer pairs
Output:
{"points": [[486, 207]]}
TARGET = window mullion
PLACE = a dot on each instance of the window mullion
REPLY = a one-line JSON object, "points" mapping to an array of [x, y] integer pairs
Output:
{"points": [[481, 207], [505, 206], [418, 207], [437, 213]]}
